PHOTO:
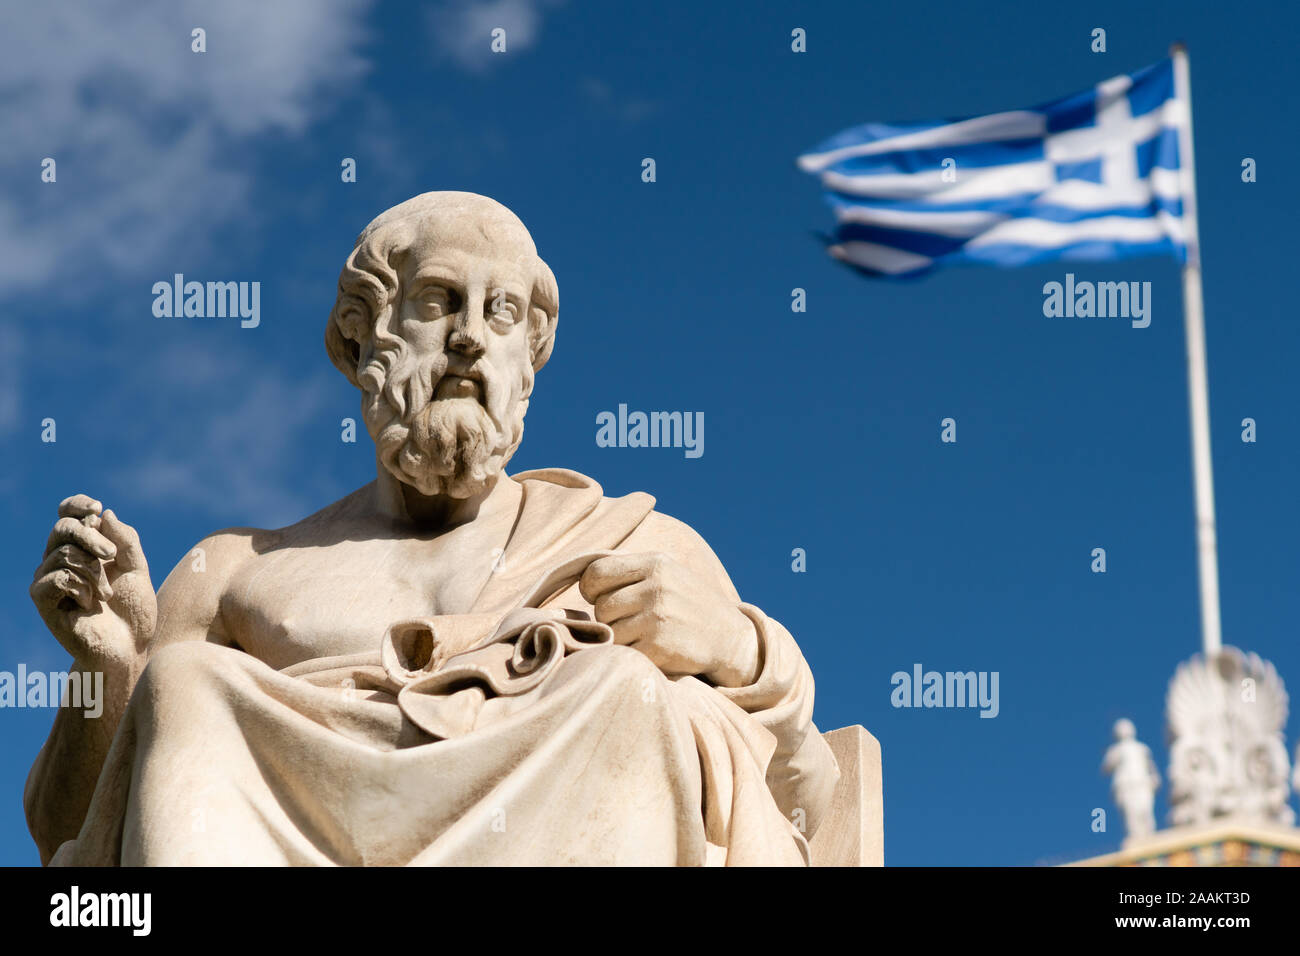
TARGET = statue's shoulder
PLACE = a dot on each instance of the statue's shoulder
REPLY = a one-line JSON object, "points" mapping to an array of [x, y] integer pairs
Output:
{"points": [[662, 532], [190, 597], [201, 575], [566, 509], [565, 484], [655, 530], [226, 550], [356, 507], [649, 529], [672, 536]]}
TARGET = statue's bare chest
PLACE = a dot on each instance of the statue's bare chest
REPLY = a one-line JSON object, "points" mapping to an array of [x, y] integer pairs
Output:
{"points": [[294, 604]]}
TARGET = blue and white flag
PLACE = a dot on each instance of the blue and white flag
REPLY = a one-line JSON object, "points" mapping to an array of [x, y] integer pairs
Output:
{"points": [[1091, 176]]}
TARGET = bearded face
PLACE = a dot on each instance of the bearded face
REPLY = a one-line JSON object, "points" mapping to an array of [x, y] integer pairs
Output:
{"points": [[444, 314], [443, 431]]}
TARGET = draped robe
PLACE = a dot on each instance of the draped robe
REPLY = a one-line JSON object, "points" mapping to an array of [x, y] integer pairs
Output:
{"points": [[516, 734]]}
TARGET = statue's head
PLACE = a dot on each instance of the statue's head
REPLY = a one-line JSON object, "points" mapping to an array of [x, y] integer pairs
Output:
{"points": [[1124, 729], [444, 313]]}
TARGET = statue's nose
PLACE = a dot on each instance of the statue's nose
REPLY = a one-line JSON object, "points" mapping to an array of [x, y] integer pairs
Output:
{"points": [[467, 332]]}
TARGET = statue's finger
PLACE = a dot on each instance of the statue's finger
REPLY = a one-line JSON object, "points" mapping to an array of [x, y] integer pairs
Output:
{"points": [[60, 584], [84, 563], [72, 531], [613, 571], [636, 630], [130, 555], [78, 506], [619, 603]]}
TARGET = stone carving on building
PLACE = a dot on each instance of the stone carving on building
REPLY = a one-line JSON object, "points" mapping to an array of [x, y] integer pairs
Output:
{"points": [[1227, 755], [1134, 779]]}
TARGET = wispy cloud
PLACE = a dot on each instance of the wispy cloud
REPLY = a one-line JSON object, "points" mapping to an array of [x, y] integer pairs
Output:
{"points": [[11, 352], [242, 463], [143, 129], [462, 29], [627, 109]]}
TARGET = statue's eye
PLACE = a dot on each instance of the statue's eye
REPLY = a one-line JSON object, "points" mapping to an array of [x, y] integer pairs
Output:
{"points": [[501, 315], [438, 301]]}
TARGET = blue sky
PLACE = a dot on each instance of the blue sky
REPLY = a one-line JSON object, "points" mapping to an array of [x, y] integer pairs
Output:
{"points": [[821, 429]]}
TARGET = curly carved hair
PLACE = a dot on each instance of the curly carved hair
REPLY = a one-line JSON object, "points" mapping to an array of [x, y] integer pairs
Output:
{"points": [[358, 335]]}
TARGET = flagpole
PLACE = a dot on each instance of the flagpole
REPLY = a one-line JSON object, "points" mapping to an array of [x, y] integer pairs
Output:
{"points": [[1197, 378]]}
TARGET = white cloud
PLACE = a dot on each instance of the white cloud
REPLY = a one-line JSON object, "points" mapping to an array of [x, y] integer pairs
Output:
{"points": [[462, 29], [143, 130]]}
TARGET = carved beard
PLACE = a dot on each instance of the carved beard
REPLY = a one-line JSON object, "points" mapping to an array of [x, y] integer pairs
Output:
{"points": [[450, 446]]}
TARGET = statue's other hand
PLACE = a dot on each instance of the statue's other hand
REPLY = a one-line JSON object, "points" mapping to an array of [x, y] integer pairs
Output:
{"points": [[93, 589], [674, 616]]}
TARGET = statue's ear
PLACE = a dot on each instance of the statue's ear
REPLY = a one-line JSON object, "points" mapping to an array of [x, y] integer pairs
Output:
{"points": [[543, 313], [342, 335]]}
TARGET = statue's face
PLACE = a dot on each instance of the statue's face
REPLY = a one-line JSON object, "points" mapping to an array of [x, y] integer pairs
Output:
{"points": [[449, 413]]}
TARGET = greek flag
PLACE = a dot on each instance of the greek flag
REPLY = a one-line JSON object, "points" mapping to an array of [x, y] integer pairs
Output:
{"points": [[1092, 176]]}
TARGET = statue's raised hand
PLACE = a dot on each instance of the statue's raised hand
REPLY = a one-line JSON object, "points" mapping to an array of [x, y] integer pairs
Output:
{"points": [[93, 589]]}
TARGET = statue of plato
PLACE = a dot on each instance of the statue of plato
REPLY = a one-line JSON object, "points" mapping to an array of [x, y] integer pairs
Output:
{"points": [[450, 665]]}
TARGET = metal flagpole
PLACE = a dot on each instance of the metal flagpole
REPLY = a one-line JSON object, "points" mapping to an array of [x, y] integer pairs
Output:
{"points": [[1197, 380]]}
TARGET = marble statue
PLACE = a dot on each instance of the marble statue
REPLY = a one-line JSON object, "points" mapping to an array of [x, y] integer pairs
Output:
{"points": [[450, 665], [1134, 779], [1227, 755]]}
